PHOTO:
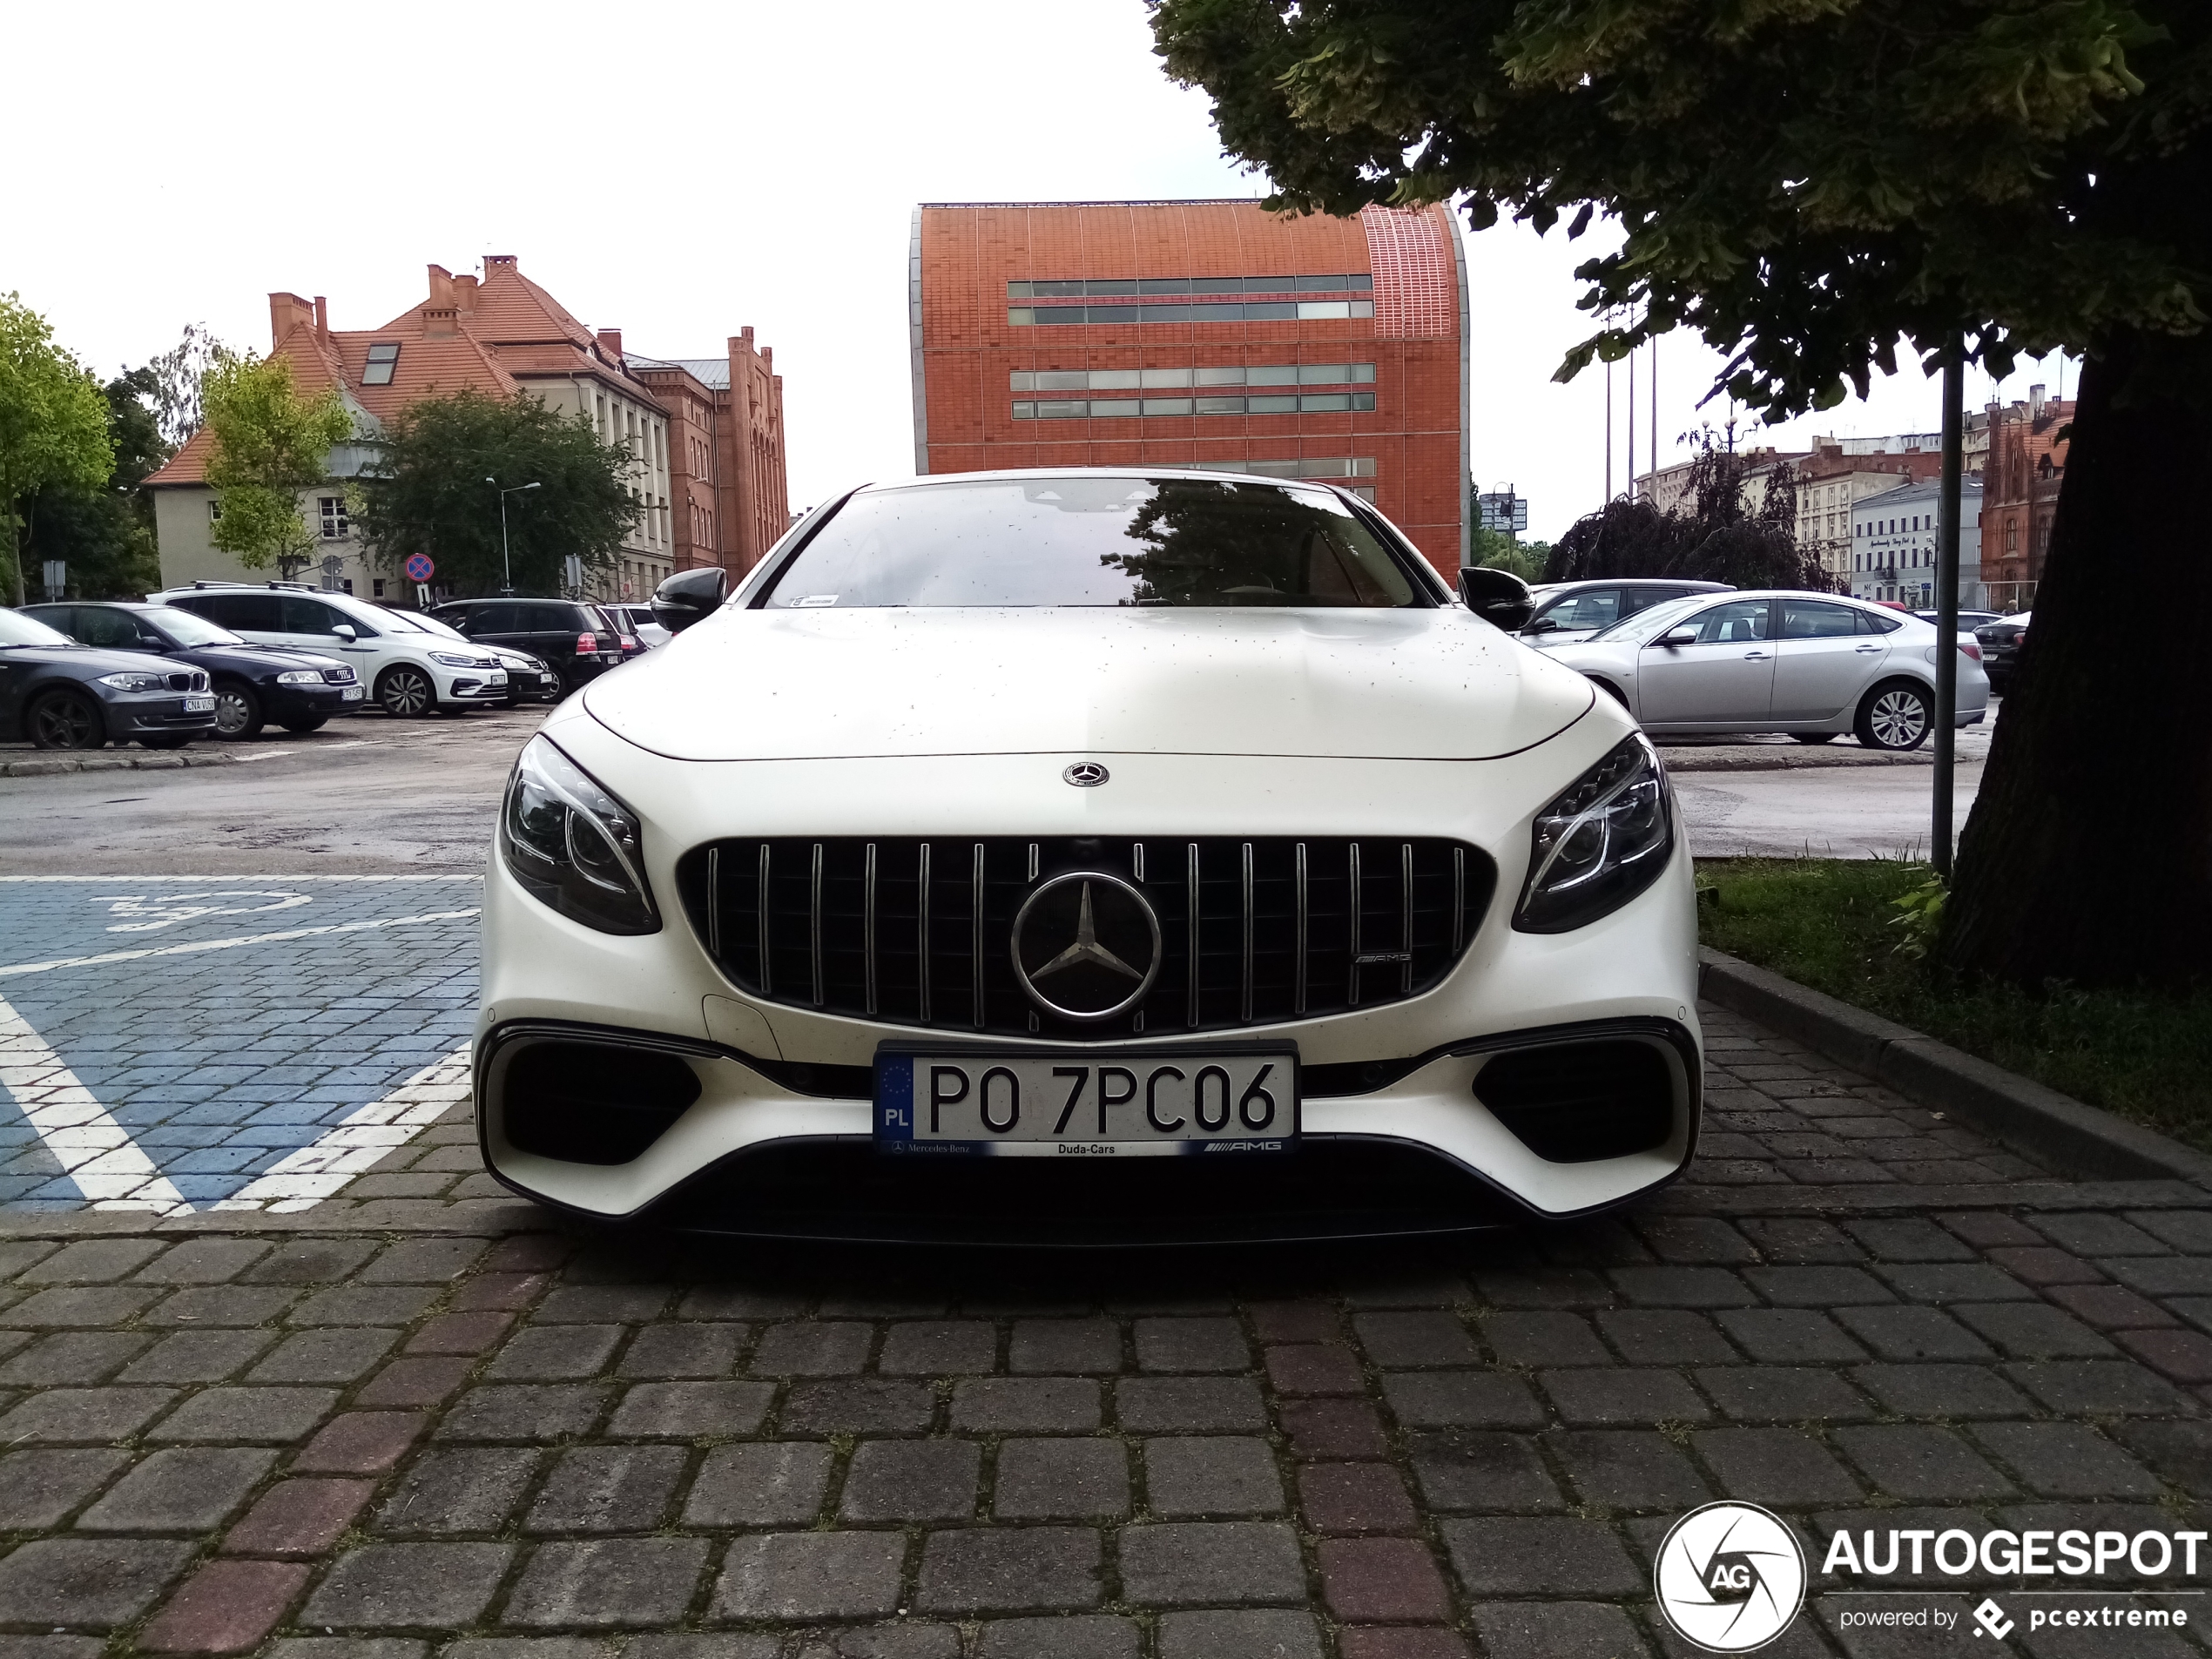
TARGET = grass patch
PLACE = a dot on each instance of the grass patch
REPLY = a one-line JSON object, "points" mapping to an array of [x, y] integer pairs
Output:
{"points": [[1827, 923]]}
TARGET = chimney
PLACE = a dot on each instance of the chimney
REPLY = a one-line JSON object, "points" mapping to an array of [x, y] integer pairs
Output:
{"points": [[2034, 403], [464, 295], [287, 312], [440, 287], [611, 346], [322, 317], [500, 264], [439, 322]]}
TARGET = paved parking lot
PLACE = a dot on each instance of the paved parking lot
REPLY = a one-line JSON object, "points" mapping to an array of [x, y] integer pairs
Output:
{"points": [[404, 1425]]}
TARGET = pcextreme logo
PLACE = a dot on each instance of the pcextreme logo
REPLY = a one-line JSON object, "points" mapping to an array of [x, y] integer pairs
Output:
{"points": [[1730, 1577]]}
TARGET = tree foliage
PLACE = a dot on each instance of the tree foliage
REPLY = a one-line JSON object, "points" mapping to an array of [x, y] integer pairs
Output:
{"points": [[270, 443], [177, 375], [1496, 550], [53, 426], [105, 535], [1803, 181], [427, 492], [1731, 525]]}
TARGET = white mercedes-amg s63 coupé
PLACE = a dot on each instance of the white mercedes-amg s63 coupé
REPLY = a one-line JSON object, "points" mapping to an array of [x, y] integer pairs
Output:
{"points": [[1092, 856]]}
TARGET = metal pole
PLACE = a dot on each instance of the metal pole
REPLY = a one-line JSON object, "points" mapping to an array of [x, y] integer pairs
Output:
{"points": [[1946, 664], [506, 565], [1609, 434], [1632, 426]]}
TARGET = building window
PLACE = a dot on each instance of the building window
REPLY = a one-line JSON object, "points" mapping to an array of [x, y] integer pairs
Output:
{"points": [[1304, 466], [1232, 310], [1113, 408], [1078, 288], [335, 524], [1115, 380], [376, 587], [383, 358], [214, 509]]}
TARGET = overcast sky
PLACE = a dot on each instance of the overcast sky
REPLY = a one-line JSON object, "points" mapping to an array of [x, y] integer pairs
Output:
{"points": [[678, 173]]}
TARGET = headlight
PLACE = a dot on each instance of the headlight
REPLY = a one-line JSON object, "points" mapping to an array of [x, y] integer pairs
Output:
{"points": [[301, 676], [574, 846], [136, 682], [454, 659], [1600, 843]]}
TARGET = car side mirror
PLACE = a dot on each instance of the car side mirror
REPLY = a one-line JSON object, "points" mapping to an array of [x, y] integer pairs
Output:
{"points": [[1542, 625], [690, 596], [345, 631], [1500, 597], [153, 642], [1680, 637]]}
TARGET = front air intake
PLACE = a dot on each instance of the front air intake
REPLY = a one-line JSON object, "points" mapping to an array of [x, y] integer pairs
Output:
{"points": [[591, 1103], [1576, 1103]]}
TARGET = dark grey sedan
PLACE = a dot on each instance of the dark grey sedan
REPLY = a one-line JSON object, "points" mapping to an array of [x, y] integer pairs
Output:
{"points": [[62, 694]]}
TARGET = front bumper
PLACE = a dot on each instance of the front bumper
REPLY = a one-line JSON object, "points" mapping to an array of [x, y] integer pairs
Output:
{"points": [[309, 702], [773, 1133], [157, 714]]}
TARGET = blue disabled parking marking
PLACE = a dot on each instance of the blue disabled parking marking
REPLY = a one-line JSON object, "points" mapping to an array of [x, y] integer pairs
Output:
{"points": [[220, 1024]]}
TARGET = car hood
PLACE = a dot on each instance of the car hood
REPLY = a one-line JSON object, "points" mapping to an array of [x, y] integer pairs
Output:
{"points": [[795, 684], [245, 656], [90, 661]]}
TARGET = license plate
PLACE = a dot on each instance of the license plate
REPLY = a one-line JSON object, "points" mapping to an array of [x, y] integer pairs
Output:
{"points": [[1131, 1103], [199, 705], [498, 677], [351, 694]]}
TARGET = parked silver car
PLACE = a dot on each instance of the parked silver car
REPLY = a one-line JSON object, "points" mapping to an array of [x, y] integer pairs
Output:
{"points": [[1812, 666]]}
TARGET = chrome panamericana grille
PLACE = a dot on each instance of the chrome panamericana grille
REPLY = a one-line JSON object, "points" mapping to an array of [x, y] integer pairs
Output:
{"points": [[1254, 932]]}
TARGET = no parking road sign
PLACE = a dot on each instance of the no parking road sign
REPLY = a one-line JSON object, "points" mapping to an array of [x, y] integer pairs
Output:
{"points": [[419, 568]]}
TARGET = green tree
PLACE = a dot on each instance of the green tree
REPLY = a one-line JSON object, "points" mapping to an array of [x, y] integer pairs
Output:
{"points": [[106, 535], [1498, 551], [1731, 526], [427, 492], [270, 443], [53, 426], [178, 374], [1806, 182]]}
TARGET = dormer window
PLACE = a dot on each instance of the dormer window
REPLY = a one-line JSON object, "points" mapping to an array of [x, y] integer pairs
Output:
{"points": [[382, 360]]}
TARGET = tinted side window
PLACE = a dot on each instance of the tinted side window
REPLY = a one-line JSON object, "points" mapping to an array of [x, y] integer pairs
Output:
{"points": [[240, 611], [1870, 624], [97, 625], [1808, 619], [489, 619], [550, 619], [308, 616]]}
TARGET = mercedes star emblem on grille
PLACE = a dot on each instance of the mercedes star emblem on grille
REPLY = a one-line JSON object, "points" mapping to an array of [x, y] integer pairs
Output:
{"points": [[1086, 774], [1086, 946]]}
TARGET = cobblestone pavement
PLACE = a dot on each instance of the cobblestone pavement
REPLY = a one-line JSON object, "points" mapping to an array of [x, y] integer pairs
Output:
{"points": [[170, 1043], [427, 1420]]}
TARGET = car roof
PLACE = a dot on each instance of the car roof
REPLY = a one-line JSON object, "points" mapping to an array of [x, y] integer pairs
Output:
{"points": [[1688, 584]]}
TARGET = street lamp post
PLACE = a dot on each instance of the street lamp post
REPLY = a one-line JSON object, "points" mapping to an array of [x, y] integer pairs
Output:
{"points": [[506, 566]]}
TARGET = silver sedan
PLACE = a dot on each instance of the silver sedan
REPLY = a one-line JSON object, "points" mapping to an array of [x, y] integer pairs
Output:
{"points": [[1812, 666]]}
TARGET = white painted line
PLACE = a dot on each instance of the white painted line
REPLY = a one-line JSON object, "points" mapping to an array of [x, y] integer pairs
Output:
{"points": [[233, 876], [232, 944], [94, 1150], [302, 1180]]}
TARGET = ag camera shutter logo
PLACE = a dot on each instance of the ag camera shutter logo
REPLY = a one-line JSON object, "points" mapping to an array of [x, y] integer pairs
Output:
{"points": [[1730, 1577]]}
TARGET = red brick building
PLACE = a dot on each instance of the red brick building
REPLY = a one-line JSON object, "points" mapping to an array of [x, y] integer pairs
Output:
{"points": [[706, 434], [1198, 334], [2020, 494]]}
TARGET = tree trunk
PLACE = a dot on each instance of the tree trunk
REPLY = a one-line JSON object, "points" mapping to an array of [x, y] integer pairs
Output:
{"points": [[2088, 856]]}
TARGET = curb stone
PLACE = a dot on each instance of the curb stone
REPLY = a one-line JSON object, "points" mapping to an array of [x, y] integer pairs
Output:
{"points": [[153, 760], [2021, 1114]]}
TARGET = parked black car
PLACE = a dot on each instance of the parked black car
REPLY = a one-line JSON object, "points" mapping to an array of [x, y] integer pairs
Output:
{"points": [[298, 690], [62, 694], [576, 641], [2000, 650]]}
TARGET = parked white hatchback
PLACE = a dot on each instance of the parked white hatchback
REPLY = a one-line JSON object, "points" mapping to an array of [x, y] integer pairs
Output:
{"points": [[1814, 665], [411, 666], [1102, 856]]}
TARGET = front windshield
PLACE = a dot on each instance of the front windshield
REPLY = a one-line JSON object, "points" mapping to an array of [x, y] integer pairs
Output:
{"points": [[16, 629], [188, 630], [1650, 623], [404, 620], [1093, 540]]}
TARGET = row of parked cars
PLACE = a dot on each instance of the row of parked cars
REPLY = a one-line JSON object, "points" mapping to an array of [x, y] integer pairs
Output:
{"points": [[225, 659], [1703, 658]]}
